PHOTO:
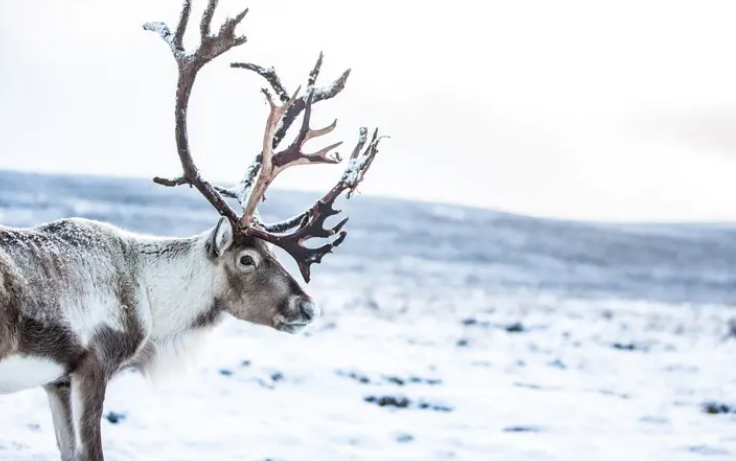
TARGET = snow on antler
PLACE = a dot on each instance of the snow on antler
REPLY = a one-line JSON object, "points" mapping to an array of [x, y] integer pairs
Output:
{"points": [[267, 165]]}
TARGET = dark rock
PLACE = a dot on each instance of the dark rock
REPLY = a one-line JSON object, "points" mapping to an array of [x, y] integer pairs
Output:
{"points": [[557, 363], [395, 380], [434, 407], [613, 393], [653, 420], [522, 429], [389, 401], [404, 402], [114, 418], [537, 387], [372, 304], [682, 368], [730, 329], [404, 438], [430, 381], [516, 327], [470, 321], [715, 408], [353, 375], [706, 450]]}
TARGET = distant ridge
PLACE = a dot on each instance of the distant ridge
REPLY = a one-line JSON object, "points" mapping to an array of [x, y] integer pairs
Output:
{"points": [[429, 243]]}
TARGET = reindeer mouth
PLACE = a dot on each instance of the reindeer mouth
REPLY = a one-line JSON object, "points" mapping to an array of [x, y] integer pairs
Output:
{"points": [[293, 328], [295, 324], [300, 313]]}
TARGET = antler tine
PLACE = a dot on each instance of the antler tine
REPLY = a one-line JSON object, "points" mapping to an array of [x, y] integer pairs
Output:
{"points": [[320, 94], [350, 178], [270, 164], [311, 223], [300, 219], [315, 71], [293, 155], [189, 63], [269, 74], [181, 28], [358, 165], [206, 20], [261, 173]]}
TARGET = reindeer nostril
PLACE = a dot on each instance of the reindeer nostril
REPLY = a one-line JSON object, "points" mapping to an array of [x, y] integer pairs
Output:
{"points": [[309, 310]]}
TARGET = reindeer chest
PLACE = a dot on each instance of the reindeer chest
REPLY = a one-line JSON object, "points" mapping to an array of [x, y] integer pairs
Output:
{"points": [[21, 371], [170, 355]]}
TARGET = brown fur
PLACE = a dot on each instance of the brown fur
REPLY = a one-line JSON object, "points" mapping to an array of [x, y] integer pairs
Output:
{"points": [[36, 266], [257, 297], [10, 292]]}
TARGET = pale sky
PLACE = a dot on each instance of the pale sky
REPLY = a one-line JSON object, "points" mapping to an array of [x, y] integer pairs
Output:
{"points": [[615, 110]]}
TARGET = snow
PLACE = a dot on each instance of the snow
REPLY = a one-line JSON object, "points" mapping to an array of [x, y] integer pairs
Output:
{"points": [[500, 337], [352, 170]]}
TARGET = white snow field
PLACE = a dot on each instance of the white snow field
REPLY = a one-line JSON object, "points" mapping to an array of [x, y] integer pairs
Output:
{"points": [[447, 334]]}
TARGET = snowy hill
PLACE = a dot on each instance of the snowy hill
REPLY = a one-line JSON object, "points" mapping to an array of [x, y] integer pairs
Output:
{"points": [[448, 333]]}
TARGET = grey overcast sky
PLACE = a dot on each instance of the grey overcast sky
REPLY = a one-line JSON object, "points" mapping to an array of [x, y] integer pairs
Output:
{"points": [[612, 110]]}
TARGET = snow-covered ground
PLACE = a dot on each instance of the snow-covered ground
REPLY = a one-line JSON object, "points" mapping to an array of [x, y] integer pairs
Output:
{"points": [[447, 333]]}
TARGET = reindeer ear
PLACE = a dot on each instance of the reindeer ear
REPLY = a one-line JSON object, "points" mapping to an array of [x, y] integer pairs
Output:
{"points": [[220, 238]]}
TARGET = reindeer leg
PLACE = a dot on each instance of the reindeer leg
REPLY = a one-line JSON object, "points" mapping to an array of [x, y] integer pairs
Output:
{"points": [[59, 395], [88, 386]]}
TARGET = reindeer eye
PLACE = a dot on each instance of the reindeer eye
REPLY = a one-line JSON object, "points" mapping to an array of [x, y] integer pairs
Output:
{"points": [[247, 261]]}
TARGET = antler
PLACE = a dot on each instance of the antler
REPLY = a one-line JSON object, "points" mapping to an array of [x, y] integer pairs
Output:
{"points": [[320, 94], [292, 112], [268, 164], [309, 224], [312, 222], [271, 164], [190, 63]]}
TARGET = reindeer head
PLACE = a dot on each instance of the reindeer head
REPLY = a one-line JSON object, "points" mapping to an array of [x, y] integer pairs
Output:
{"points": [[258, 288]]}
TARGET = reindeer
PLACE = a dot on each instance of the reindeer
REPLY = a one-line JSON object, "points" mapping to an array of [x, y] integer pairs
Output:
{"points": [[82, 300]]}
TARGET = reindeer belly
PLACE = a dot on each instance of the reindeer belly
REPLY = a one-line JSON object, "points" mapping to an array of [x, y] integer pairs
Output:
{"points": [[19, 372]]}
